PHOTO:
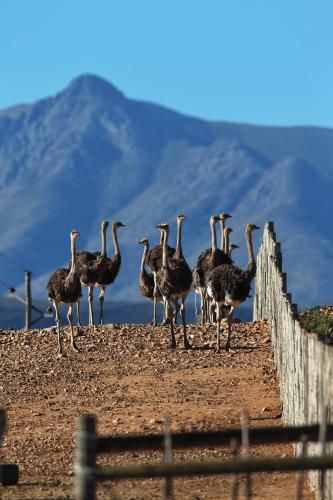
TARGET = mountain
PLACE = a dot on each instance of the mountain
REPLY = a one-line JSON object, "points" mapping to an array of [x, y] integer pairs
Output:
{"points": [[89, 153]]}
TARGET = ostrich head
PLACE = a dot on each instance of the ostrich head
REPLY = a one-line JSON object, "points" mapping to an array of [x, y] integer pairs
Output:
{"points": [[105, 224], [228, 230], [162, 227], [144, 241], [118, 224], [181, 218], [74, 234], [224, 216], [251, 227], [214, 219], [233, 246]]}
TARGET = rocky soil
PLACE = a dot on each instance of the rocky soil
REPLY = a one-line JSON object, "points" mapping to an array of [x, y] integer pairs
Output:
{"points": [[131, 380]]}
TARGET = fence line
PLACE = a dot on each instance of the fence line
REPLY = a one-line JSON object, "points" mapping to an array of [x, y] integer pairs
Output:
{"points": [[304, 363], [89, 444]]}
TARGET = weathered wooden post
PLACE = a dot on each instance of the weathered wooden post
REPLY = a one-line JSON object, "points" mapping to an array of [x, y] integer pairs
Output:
{"points": [[234, 478], [167, 493], [246, 451], [322, 444], [28, 300], [300, 474], [85, 458], [9, 473]]}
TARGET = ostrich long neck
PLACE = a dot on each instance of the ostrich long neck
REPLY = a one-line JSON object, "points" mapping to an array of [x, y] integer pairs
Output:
{"points": [[226, 241], [103, 253], [179, 252], [251, 265], [223, 245], [115, 240], [73, 257], [165, 262], [212, 227], [145, 251]]}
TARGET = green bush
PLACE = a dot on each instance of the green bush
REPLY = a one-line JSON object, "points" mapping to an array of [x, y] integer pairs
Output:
{"points": [[319, 320]]}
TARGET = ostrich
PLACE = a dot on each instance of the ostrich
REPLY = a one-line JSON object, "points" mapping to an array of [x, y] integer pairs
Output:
{"points": [[174, 280], [147, 281], [223, 217], [232, 247], [154, 257], [89, 266], [64, 287], [225, 239], [229, 285], [207, 261], [109, 271]]}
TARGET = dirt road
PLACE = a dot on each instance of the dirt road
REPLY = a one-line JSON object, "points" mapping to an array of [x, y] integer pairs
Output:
{"points": [[129, 377]]}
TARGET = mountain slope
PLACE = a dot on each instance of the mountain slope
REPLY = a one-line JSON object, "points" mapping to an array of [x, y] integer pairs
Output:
{"points": [[89, 153]]}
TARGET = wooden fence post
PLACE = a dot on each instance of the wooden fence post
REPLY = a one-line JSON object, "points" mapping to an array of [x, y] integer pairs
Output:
{"points": [[85, 458], [234, 478], [322, 444], [246, 451], [300, 474], [28, 301], [167, 484]]}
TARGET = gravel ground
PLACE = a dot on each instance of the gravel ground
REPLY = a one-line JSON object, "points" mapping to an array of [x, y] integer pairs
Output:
{"points": [[131, 380]]}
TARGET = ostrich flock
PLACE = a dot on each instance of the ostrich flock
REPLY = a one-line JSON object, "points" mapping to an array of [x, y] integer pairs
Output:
{"points": [[222, 286]]}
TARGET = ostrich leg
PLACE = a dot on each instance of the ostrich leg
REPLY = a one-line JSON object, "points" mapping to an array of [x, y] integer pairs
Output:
{"points": [[90, 304], [218, 327], [202, 306], [101, 304], [230, 316], [169, 314], [155, 294], [70, 321], [187, 345], [78, 313], [57, 318]]}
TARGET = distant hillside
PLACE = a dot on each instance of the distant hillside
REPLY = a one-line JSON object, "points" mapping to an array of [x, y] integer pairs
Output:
{"points": [[89, 153]]}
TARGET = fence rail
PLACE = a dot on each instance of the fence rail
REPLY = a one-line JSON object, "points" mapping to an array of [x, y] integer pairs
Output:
{"points": [[257, 435], [89, 444]]}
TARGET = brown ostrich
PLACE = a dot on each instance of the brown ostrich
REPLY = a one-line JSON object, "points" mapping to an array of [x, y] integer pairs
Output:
{"points": [[64, 287], [229, 286], [90, 265], [207, 261], [174, 280], [110, 269]]}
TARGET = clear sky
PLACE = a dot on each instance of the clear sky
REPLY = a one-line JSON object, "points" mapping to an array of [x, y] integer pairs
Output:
{"points": [[257, 61]]}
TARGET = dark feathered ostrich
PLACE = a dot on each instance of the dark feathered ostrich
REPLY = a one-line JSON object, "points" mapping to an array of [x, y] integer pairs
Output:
{"points": [[207, 261], [110, 269], [64, 287], [154, 258], [154, 255], [229, 286], [89, 266], [147, 281], [174, 280]]}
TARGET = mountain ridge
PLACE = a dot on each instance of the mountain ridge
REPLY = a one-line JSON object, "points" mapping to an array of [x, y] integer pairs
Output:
{"points": [[89, 153]]}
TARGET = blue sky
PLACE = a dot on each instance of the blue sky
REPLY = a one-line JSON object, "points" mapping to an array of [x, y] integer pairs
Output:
{"points": [[256, 61]]}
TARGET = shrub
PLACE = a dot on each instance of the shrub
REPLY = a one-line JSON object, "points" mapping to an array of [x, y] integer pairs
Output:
{"points": [[319, 320]]}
